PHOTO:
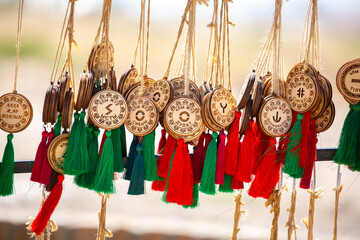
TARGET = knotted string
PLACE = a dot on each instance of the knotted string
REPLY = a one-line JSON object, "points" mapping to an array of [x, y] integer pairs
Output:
{"points": [[291, 225]]}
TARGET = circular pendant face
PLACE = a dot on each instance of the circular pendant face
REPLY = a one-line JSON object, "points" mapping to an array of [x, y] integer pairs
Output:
{"points": [[179, 83], [324, 122], [182, 117], [275, 117], [99, 61], [16, 112], [246, 91], [348, 80], [108, 109], [134, 92], [302, 68], [56, 152], [222, 107], [161, 93], [143, 116], [302, 92], [127, 80]]}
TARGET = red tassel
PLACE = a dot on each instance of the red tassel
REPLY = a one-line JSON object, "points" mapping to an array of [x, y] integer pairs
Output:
{"points": [[180, 182], [102, 142], [232, 147], [196, 158], [219, 175], [305, 130], [236, 185], [246, 162], [47, 209], [164, 162], [158, 185], [283, 144], [260, 146], [268, 173], [39, 159], [162, 142], [306, 177], [46, 169]]}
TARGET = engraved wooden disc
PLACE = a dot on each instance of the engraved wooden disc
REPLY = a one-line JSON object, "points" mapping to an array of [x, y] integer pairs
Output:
{"points": [[179, 83], [348, 80], [325, 121], [246, 91], [108, 109], [128, 79], [222, 106], [256, 97], [148, 81], [161, 93], [203, 90], [45, 113], [182, 117], [320, 106], [327, 87], [274, 117], [196, 135], [63, 87], [15, 112], [143, 116], [268, 89], [56, 152], [245, 117], [180, 92], [90, 85], [302, 68], [68, 109], [54, 102], [205, 115], [99, 61], [302, 92], [80, 95]]}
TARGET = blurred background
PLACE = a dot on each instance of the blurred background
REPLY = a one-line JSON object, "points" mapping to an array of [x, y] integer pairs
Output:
{"points": [[147, 217]]}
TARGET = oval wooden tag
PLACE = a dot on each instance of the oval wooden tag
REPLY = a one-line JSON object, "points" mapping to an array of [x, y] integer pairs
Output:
{"points": [[222, 107]]}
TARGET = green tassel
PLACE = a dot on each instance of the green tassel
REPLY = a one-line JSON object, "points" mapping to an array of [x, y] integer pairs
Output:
{"points": [[347, 152], [130, 159], [207, 184], [226, 187], [57, 127], [195, 201], [291, 166], [123, 141], [77, 158], [137, 183], [118, 159], [167, 182], [86, 180], [149, 157], [7, 168], [103, 181]]}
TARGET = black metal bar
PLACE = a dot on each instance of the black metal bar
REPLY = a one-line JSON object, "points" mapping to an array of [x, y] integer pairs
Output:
{"points": [[25, 166]]}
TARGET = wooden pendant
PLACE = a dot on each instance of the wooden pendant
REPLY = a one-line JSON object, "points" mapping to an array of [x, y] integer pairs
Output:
{"points": [[245, 92], [56, 152], [161, 92], [325, 121], [348, 80], [128, 79]]}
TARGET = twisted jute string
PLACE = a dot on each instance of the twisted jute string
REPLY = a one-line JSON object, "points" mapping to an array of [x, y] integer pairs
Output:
{"points": [[103, 232], [337, 190], [228, 24], [238, 212], [291, 225], [276, 61], [18, 41], [309, 222]]}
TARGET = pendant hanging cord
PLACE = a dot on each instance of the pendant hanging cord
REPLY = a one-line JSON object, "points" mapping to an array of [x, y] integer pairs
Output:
{"points": [[18, 41], [147, 38], [133, 62], [191, 30], [276, 48]]}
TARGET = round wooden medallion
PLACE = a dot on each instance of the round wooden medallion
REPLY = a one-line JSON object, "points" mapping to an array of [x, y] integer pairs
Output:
{"points": [[302, 92], [63, 87], [16, 112], [203, 90], [222, 106], [128, 79], [112, 79], [182, 117], [99, 61], [327, 87], [56, 152], [206, 116], [47, 99], [148, 81], [348, 80], [256, 98], [302, 68], [68, 109], [179, 83], [320, 106], [268, 88], [324, 122], [143, 116], [54, 103], [196, 135], [80, 95], [275, 117], [90, 85], [108, 109], [181, 93], [161, 93], [245, 117], [246, 91]]}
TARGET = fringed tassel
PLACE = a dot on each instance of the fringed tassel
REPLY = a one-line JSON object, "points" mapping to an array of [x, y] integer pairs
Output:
{"points": [[46, 170], [196, 159], [207, 184], [57, 127], [268, 174], [260, 146], [137, 184], [232, 147], [130, 159], [149, 157], [306, 177], [305, 140], [245, 163], [226, 187], [219, 175], [158, 185], [180, 181], [39, 159], [118, 157], [195, 201], [103, 181], [348, 149], [291, 166], [162, 142], [47, 209], [102, 142], [236, 185], [7, 168], [164, 163], [77, 159]]}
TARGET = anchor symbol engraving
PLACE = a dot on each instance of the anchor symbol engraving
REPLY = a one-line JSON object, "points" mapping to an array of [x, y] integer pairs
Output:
{"points": [[156, 96], [277, 118], [223, 107]]}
